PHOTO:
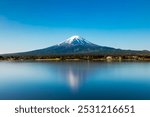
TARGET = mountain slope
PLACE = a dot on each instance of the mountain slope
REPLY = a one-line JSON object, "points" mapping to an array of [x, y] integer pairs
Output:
{"points": [[77, 45], [73, 45]]}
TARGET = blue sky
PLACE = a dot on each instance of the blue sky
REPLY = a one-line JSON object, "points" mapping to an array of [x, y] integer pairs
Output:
{"points": [[33, 24]]}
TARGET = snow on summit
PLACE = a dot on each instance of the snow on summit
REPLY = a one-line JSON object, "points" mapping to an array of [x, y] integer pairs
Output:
{"points": [[75, 40]]}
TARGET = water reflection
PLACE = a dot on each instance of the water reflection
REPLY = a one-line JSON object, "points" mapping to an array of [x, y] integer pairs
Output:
{"points": [[76, 74], [74, 80]]}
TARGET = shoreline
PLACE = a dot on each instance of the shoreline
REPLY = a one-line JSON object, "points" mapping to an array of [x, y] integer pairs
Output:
{"points": [[100, 58], [76, 60]]}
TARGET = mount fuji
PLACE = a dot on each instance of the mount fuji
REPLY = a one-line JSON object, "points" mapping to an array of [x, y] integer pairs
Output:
{"points": [[71, 46], [77, 45], [76, 41]]}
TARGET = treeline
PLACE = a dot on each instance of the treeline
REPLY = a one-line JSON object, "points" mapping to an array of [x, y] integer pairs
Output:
{"points": [[75, 57]]}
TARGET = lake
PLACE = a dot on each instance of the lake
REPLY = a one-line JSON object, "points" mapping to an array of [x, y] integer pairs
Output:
{"points": [[82, 80]]}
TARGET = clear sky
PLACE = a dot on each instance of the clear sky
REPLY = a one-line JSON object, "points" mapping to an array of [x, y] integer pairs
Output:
{"points": [[33, 24]]}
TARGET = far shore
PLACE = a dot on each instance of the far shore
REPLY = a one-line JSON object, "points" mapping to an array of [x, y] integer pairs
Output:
{"points": [[79, 58]]}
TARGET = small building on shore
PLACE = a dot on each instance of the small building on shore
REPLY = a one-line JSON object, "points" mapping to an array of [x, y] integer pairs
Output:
{"points": [[109, 58]]}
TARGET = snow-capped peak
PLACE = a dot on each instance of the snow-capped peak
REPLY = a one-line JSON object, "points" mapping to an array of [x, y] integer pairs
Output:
{"points": [[76, 41], [75, 38]]}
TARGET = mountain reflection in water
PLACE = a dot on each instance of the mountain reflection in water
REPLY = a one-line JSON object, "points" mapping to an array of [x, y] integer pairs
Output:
{"points": [[75, 74], [75, 80]]}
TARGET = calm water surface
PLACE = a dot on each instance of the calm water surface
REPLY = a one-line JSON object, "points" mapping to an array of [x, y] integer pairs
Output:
{"points": [[75, 80]]}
